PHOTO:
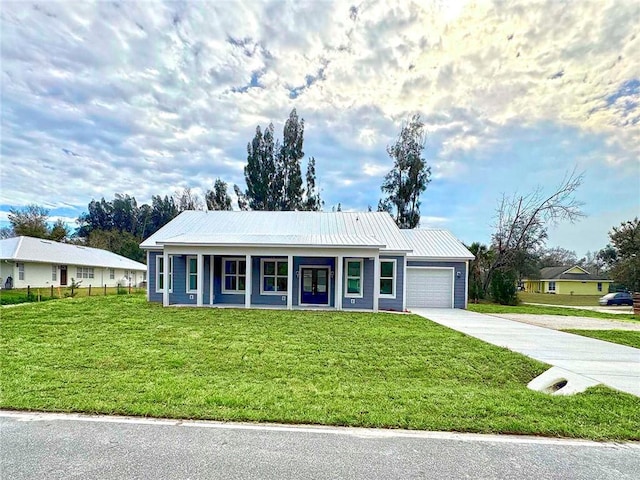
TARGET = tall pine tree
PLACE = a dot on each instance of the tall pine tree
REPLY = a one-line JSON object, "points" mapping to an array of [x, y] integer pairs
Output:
{"points": [[273, 173], [409, 176], [290, 155], [312, 201], [218, 198]]}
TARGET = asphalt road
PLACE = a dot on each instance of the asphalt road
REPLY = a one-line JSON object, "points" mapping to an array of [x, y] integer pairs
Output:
{"points": [[56, 447]]}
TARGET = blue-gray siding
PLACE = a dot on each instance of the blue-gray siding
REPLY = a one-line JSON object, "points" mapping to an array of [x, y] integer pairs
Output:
{"points": [[179, 294], [394, 304], [366, 302], [459, 287], [256, 298]]}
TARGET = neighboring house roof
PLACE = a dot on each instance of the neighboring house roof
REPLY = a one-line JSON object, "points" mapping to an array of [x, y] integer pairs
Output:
{"points": [[29, 249], [435, 244], [261, 228], [562, 273]]}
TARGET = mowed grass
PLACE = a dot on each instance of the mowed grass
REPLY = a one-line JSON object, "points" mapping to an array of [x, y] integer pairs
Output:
{"points": [[623, 337], [544, 310], [121, 355], [556, 299]]}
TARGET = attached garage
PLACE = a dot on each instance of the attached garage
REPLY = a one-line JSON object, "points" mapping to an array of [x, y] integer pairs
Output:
{"points": [[437, 270], [430, 287]]}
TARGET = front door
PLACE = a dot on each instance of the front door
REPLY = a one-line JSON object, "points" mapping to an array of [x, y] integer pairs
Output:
{"points": [[63, 274], [315, 285]]}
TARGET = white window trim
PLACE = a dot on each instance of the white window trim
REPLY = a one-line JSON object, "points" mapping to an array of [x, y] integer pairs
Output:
{"points": [[189, 273], [346, 278], [54, 273], [394, 278], [554, 286], [21, 271], [276, 276], [80, 273], [112, 274], [160, 256], [237, 275]]}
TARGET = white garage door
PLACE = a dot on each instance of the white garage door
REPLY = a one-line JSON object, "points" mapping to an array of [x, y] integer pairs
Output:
{"points": [[429, 287]]}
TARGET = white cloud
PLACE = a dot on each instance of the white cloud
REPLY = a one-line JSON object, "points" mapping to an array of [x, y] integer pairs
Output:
{"points": [[136, 98]]}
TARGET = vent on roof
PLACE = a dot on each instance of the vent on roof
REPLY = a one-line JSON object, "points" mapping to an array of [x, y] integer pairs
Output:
{"points": [[44, 241]]}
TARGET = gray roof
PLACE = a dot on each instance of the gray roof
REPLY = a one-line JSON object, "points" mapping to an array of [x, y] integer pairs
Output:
{"points": [[557, 273], [248, 228], [29, 249], [435, 244]]}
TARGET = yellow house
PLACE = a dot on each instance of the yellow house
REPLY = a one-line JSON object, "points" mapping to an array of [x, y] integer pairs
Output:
{"points": [[568, 281]]}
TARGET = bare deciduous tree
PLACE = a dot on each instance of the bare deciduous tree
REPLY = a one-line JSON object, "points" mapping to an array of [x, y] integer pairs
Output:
{"points": [[522, 222]]}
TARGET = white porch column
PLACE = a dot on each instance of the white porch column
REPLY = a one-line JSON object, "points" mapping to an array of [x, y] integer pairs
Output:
{"points": [[148, 273], [466, 286], [290, 280], [376, 282], [404, 283], [339, 277], [165, 278], [211, 281], [199, 279], [247, 284]]}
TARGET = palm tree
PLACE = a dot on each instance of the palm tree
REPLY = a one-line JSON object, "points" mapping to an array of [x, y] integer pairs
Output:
{"points": [[478, 270]]}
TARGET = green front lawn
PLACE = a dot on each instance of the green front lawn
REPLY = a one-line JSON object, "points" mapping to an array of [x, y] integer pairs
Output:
{"points": [[121, 355], [623, 337], [555, 299], [544, 310]]}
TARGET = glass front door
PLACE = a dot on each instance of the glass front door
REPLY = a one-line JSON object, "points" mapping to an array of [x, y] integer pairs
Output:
{"points": [[315, 285]]}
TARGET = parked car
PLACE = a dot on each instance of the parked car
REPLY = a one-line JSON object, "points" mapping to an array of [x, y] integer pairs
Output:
{"points": [[620, 298]]}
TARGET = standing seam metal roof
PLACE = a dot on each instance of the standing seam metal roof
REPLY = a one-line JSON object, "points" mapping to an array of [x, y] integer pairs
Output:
{"points": [[29, 249], [436, 244], [335, 229]]}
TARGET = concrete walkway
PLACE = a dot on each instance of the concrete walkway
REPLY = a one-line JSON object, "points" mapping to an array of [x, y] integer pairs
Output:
{"points": [[616, 366]]}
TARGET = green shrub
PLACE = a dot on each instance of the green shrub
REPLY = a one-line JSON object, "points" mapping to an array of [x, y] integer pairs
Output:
{"points": [[503, 288]]}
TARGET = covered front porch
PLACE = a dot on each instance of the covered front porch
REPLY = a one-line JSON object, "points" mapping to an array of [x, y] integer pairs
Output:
{"points": [[265, 278]]}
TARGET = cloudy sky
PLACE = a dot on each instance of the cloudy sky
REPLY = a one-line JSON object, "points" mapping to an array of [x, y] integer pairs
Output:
{"points": [[146, 98]]}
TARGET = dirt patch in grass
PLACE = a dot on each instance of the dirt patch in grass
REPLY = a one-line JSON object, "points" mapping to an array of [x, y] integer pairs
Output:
{"points": [[558, 322]]}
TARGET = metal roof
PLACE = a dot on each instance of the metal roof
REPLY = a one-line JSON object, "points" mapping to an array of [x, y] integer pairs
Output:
{"points": [[436, 245], [318, 229], [29, 249]]}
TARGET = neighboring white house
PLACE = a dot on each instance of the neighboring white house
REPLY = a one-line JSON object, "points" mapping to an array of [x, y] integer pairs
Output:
{"points": [[36, 262]]}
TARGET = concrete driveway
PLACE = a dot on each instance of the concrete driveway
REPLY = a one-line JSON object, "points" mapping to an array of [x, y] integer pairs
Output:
{"points": [[616, 366]]}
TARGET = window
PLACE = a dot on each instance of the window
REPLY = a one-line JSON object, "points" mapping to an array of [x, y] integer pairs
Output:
{"points": [[354, 278], [112, 273], [20, 271], [192, 274], [84, 272], [599, 286], [54, 273], [552, 286], [234, 275], [160, 273], [388, 278], [274, 276]]}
